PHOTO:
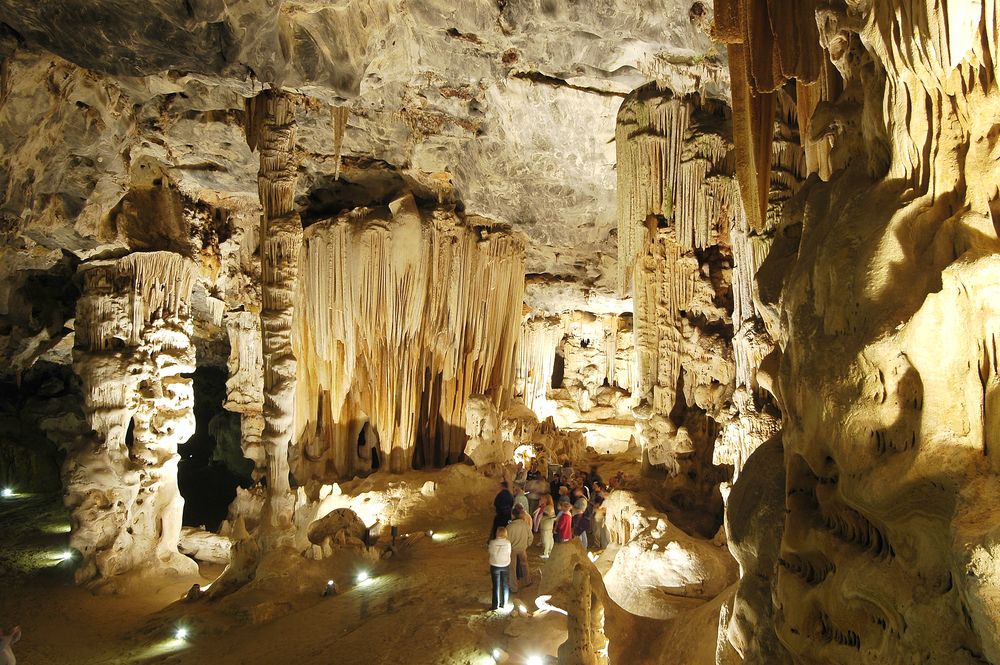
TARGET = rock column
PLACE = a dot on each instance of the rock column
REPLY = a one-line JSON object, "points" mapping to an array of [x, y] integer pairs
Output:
{"points": [[271, 130], [133, 346]]}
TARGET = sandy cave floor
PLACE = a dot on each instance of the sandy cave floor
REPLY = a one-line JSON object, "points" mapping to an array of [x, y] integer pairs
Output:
{"points": [[426, 605]]}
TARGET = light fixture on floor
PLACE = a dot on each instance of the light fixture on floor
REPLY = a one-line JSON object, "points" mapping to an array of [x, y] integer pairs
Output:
{"points": [[66, 555], [330, 589], [181, 633], [363, 578], [7, 492], [534, 660]]}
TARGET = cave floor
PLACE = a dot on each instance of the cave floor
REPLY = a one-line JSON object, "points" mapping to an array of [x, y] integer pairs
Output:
{"points": [[427, 605]]}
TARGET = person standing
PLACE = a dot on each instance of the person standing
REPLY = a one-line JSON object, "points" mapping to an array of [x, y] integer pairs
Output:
{"points": [[544, 523], [499, 549], [520, 499], [6, 642], [564, 523], [593, 477], [598, 527], [519, 535], [581, 516], [503, 504]]}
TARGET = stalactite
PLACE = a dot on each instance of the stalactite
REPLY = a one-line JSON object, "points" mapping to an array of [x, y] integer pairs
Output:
{"points": [[245, 385], [675, 162], [133, 346], [536, 355], [403, 318], [271, 130], [339, 115]]}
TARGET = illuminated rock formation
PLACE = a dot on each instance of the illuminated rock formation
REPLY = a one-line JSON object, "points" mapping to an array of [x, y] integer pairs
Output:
{"points": [[579, 369], [678, 201], [271, 130], [879, 292], [133, 346], [404, 316]]}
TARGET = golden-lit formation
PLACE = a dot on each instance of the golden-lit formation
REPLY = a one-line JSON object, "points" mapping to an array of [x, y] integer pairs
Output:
{"points": [[578, 332]]}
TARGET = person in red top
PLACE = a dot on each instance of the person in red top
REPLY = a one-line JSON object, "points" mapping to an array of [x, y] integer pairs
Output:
{"points": [[564, 523]]}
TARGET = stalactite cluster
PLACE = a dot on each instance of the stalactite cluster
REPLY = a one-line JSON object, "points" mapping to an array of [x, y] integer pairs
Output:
{"points": [[403, 316], [133, 348], [675, 163], [537, 345], [245, 386]]}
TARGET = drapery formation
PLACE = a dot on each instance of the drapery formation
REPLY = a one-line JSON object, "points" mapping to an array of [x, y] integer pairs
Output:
{"points": [[403, 316], [133, 346]]}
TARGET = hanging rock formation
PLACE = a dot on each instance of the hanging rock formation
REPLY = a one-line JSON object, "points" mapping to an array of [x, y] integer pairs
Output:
{"points": [[678, 201], [404, 316], [133, 346]]}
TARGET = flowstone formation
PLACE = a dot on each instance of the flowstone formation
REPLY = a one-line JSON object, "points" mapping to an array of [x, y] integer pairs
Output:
{"points": [[404, 315], [880, 293], [133, 346]]}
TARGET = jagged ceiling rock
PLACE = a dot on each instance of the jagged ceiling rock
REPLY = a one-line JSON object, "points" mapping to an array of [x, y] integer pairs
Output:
{"points": [[506, 108]]}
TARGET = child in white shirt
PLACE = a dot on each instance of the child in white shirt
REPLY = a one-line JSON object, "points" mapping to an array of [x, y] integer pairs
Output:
{"points": [[499, 549]]}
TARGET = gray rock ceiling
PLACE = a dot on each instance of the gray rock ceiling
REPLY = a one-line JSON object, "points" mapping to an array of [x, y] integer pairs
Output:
{"points": [[507, 106]]}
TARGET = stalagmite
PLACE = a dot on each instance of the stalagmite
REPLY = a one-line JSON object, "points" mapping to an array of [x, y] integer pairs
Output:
{"points": [[133, 346], [404, 316], [271, 130]]}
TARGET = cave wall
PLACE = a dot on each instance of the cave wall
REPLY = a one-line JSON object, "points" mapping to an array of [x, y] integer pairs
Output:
{"points": [[878, 290]]}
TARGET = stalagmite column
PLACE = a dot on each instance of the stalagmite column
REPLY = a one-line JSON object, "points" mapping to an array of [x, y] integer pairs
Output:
{"points": [[271, 130], [133, 346]]}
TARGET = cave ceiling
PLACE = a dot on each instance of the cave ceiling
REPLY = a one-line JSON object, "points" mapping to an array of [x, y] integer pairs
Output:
{"points": [[505, 107]]}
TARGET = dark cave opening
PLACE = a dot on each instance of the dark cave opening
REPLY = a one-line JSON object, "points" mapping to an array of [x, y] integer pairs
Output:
{"points": [[212, 465]]}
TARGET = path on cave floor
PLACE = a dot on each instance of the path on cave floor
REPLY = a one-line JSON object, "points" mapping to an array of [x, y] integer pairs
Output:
{"points": [[428, 605]]}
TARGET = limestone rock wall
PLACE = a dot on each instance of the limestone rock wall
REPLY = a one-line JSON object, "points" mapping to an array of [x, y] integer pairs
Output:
{"points": [[878, 291], [405, 315]]}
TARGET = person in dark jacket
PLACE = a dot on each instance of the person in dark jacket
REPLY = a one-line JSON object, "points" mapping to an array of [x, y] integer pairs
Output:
{"points": [[503, 504]]}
